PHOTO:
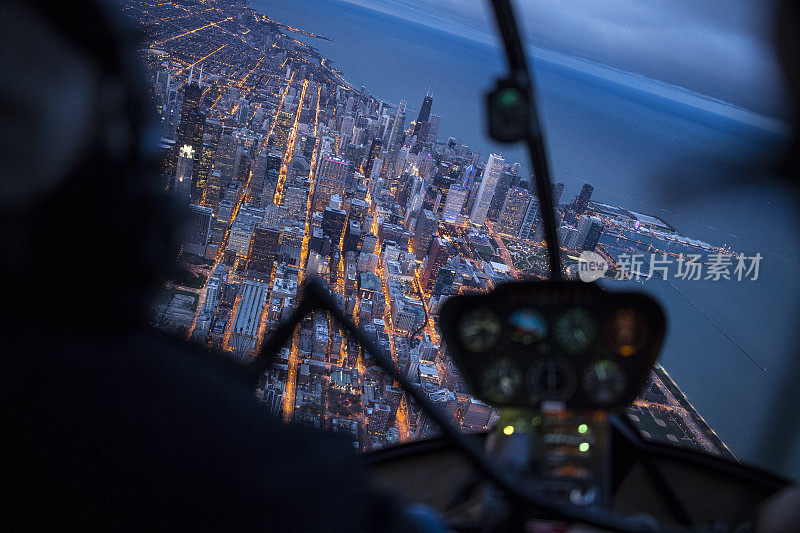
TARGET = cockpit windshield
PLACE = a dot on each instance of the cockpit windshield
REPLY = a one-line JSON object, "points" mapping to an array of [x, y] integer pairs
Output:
{"points": [[347, 140]]}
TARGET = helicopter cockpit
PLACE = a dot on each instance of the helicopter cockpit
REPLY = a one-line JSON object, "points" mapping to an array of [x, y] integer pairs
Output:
{"points": [[452, 322], [562, 359]]}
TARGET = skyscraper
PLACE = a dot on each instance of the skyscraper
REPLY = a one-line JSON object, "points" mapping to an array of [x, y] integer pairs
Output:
{"points": [[241, 232], [270, 185], [579, 204], [212, 130], [395, 134], [199, 227], [513, 212], [558, 190], [404, 188], [243, 166], [568, 237], [329, 181], [377, 166], [348, 123], [374, 152], [263, 251], [504, 183], [424, 233], [333, 221], [295, 200], [432, 199], [280, 133], [290, 244], [166, 155], [437, 258], [190, 129], [182, 187], [352, 237], [444, 280], [185, 163], [358, 209], [424, 113], [257, 179], [528, 221], [456, 196], [422, 136], [589, 229], [225, 158], [215, 190], [433, 133], [483, 199]]}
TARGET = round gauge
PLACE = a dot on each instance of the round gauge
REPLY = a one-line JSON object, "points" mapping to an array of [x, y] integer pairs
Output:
{"points": [[551, 379], [575, 330], [479, 330], [604, 382], [501, 380], [628, 332], [527, 326]]}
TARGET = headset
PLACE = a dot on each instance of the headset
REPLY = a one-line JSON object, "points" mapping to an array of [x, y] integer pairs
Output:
{"points": [[107, 210]]}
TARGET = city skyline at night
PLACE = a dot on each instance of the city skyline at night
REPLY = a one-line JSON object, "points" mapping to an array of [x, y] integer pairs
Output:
{"points": [[292, 171]]}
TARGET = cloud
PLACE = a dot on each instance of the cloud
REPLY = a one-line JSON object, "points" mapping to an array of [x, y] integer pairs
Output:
{"points": [[719, 48]]}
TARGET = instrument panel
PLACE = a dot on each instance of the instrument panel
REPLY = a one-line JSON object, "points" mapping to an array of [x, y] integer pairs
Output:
{"points": [[571, 342]]}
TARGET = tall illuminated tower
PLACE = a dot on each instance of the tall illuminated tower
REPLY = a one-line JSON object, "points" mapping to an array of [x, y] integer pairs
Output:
{"points": [[212, 130], [579, 204], [494, 167], [190, 129], [424, 113], [397, 127]]}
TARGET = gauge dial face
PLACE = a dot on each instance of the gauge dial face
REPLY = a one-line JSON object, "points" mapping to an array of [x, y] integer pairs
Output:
{"points": [[551, 379], [527, 326], [575, 330], [628, 332], [501, 380], [479, 330], [604, 382]]}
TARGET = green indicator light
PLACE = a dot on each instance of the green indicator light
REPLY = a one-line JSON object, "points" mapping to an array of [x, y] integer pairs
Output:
{"points": [[583, 446], [583, 428], [509, 97]]}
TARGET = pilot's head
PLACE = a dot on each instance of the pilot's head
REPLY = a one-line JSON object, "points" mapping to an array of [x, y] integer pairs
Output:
{"points": [[84, 233]]}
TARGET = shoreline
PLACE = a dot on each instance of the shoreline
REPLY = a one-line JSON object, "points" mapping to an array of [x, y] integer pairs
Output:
{"points": [[697, 418]]}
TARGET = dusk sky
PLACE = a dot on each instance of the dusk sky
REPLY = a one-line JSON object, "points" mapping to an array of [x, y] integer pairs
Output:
{"points": [[718, 48]]}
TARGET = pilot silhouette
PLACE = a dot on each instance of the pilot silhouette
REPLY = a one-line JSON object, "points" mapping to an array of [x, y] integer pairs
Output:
{"points": [[106, 423]]}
